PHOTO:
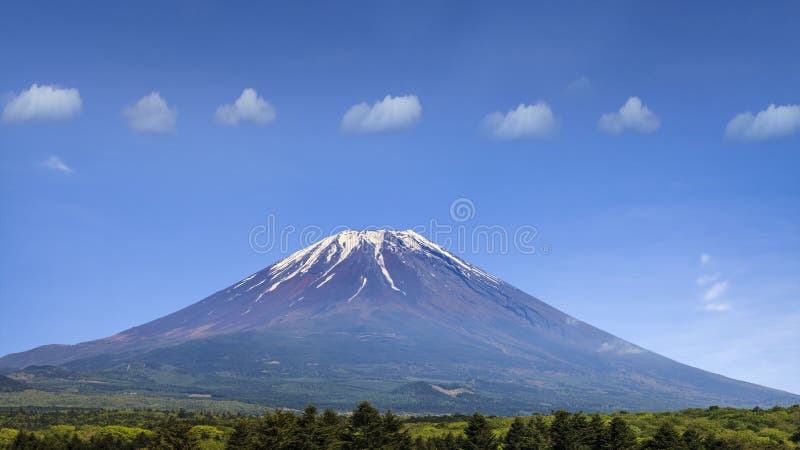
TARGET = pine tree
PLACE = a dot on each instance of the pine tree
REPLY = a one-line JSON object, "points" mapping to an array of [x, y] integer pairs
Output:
{"points": [[562, 432], [75, 443], [451, 442], [172, 435], [582, 433], [620, 435], [26, 441], [395, 437], [518, 436], [666, 438], [307, 427], [239, 438], [329, 428], [541, 432], [364, 428], [795, 437], [691, 440], [309, 417], [598, 433], [479, 435], [279, 431]]}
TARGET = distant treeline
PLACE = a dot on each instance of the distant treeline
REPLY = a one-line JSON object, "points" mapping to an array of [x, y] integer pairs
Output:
{"points": [[367, 428]]}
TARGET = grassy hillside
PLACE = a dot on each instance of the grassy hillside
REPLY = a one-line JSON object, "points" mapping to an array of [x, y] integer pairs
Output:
{"points": [[69, 400], [250, 368]]}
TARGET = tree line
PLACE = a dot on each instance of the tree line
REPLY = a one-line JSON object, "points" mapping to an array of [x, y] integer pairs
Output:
{"points": [[367, 428]]}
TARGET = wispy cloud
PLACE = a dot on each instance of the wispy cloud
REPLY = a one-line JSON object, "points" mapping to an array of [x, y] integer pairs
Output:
{"points": [[527, 121], [715, 291], [42, 102], [772, 123], [633, 116], [249, 107], [151, 114], [620, 347], [579, 84], [705, 258], [57, 164], [708, 278], [717, 307], [389, 114], [714, 288]]}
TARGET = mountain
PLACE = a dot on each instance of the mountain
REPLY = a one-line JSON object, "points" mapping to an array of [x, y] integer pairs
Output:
{"points": [[390, 317]]}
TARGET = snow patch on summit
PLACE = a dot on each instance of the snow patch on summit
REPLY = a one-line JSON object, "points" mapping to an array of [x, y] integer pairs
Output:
{"points": [[323, 257], [378, 243], [360, 288], [245, 280], [325, 280]]}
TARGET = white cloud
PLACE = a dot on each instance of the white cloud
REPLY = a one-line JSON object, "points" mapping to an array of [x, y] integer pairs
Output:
{"points": [[391, 113], [715, 291], [579, 84], [151, 115], [55, 163], [717, 307], [572, 321], [708, 278], [713, 288], [249, 107], [43, 102], [620, 347], [771, 123], [633, 115], [527, 121], [705, 258]]}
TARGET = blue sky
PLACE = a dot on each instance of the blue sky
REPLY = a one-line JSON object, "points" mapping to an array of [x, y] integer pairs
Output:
{"points": [[127, 193]]}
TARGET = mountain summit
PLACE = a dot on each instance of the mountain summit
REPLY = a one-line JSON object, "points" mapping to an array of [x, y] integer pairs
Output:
{"points": [[391, 317]]}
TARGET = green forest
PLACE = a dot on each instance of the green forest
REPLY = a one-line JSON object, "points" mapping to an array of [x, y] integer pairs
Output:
{"points": [[368, 428]]}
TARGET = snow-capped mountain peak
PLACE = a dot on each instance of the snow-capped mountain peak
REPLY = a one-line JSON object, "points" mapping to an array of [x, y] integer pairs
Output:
{"points": [[381, 304], [324, 257]]}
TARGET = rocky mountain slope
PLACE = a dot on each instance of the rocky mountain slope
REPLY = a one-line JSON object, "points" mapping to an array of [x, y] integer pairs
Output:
{"points": [[394, 318]]}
